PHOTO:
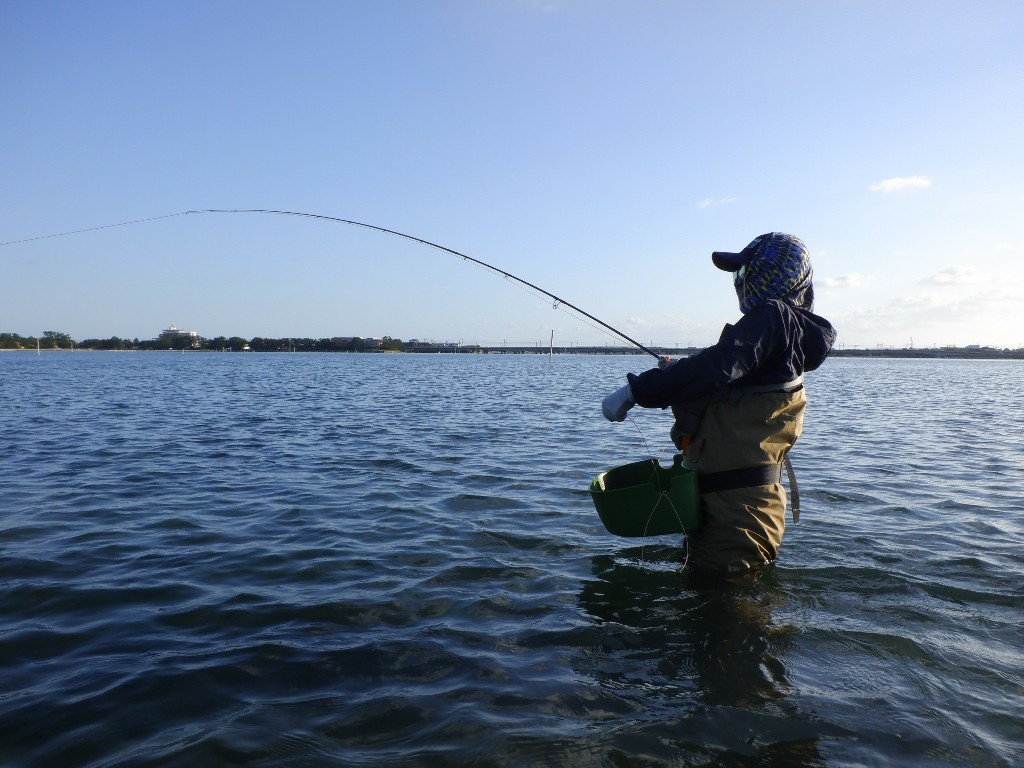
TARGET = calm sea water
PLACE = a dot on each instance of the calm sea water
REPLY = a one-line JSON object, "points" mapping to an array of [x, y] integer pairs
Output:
{"points": [[319, 560]]}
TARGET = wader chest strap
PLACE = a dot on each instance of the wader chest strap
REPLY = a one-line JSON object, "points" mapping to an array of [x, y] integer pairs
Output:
{"points": [[748, 477], [794, 492]]}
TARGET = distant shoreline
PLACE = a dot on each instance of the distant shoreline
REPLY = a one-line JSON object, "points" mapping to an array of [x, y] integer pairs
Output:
{"points": [[946, 353]]}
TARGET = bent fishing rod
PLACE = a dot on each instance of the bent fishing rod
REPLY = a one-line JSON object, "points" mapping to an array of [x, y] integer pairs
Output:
{"points": [[508, 275]]}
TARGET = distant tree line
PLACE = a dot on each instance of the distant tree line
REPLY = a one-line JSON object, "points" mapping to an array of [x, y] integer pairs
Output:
{"points": [[49, 340], [167, 341]]}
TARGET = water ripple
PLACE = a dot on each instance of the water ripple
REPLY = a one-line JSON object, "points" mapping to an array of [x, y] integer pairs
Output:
{"points": [[298, 560]]}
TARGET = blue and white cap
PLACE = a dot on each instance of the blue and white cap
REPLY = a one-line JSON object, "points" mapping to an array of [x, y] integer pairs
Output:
{"points": [[773, 266]]}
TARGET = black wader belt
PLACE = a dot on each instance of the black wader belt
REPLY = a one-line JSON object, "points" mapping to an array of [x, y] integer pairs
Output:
{"points": [[749, 477]]}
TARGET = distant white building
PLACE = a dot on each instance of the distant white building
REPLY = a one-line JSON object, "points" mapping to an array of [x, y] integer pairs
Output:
{"points": [[179, 337]]}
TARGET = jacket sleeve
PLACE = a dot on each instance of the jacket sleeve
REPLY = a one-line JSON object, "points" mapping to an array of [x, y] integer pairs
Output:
{"points": [[742, 348]]}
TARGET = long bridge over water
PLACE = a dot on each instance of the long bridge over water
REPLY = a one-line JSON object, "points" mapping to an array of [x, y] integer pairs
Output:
{"points": [[538, 348], [962, 353]]}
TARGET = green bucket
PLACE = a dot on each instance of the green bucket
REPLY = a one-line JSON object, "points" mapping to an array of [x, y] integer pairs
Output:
{"points": [[644, 499]]}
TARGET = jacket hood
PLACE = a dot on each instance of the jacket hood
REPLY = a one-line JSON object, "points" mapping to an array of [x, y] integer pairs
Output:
{"points": [[817, 337]]}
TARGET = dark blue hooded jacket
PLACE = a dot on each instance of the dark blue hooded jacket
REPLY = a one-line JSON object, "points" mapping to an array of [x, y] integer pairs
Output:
{"points": [[773, 343]]}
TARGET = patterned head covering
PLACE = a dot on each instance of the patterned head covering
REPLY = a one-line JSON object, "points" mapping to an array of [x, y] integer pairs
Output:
{"points": [[773, 266]]}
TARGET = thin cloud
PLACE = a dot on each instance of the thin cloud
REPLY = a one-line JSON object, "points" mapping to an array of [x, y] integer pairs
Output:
{"points": [[713, 202], [914, 309], [900, 184], [852, 280], [974, 306], [956, 276]]}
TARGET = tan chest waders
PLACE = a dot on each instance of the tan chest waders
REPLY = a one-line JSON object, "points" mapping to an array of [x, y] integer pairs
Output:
{"points": [[725, 493]]}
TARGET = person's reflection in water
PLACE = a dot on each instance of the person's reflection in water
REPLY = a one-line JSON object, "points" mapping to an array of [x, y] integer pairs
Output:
{"points": [[737, 656], [701, 661]]}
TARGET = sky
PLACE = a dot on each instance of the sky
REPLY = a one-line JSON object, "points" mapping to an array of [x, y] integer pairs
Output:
{"points": [[598, 149]]}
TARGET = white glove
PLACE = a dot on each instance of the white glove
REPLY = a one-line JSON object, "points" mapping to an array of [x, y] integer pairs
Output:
{"points": [[618, 403]]}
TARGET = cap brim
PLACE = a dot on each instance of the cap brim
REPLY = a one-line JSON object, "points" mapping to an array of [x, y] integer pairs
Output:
{"points": [[730, 262]]}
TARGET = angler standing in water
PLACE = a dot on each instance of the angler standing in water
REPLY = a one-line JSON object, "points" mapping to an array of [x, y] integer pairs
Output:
{"points": [[739, 405]]}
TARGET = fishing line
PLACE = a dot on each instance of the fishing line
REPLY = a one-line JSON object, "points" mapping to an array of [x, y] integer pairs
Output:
{"points": [[93, 229], [662, 496], [665, 497], [536, 290], [652, 480], [649, 453]]}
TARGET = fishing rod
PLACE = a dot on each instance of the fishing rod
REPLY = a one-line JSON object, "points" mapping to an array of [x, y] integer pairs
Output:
{"points": [[508, 275], [559, 301]]}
